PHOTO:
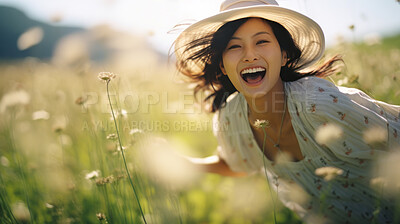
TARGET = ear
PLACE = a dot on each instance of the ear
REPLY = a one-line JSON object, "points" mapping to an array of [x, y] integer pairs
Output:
{"points": [[221, 66], [284, 58]]}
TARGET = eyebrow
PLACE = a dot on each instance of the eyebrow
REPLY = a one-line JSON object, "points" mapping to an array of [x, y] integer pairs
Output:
{"points": [[259, 33]]}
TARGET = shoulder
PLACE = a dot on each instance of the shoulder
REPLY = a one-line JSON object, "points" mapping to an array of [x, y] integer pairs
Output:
{"points": [[307, 82], [353, 114], [307, 91], [350, 108], [323, 102], [308, 85], [233, 100], [234, 104], [323, 95]]}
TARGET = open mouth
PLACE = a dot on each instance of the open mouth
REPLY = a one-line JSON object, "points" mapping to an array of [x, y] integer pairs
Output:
{"points": [[253, 75]]}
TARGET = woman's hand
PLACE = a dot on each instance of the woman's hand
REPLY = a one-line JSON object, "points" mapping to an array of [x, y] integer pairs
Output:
{"points": [[214, 164]]}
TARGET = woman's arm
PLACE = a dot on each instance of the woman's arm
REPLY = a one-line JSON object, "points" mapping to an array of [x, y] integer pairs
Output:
{"points": [[214, 164]]}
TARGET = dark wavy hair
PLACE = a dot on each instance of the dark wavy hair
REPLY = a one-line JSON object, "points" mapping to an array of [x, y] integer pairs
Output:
{"points": [[208, 51]]}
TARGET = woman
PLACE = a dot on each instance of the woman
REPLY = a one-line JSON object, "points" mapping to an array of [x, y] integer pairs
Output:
{"points": [[251, 59]]}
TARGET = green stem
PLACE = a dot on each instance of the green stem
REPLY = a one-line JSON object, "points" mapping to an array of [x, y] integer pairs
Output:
{"points": [[266, 175], [6, 213], [17, 159], [62, 149], [123, 156]]}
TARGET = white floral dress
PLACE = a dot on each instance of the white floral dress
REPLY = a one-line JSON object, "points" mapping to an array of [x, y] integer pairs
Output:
{"points": [[312, 103]]}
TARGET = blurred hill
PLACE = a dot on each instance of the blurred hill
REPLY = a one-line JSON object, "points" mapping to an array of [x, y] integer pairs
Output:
{"points": [[23, 37], [13, 23]]}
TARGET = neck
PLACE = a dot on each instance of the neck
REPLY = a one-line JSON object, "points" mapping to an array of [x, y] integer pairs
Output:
{"points": [[269, 106]]}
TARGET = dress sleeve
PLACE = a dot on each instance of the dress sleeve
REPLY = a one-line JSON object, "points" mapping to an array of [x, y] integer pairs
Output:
{"points": [[366, 127], [237, 146], [227, 129]]}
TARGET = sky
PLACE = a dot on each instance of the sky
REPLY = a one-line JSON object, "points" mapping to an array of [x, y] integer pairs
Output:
{"points": [[156, 18]]}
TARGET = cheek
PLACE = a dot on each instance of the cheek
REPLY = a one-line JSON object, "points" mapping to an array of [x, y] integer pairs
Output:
{"points": [[229, 64], [277, 60]]}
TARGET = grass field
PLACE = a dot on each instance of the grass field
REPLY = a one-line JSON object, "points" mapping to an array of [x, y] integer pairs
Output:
{"points": [[61, 159]]}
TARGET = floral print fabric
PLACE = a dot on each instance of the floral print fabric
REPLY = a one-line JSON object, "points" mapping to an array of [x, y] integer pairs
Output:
{"points": [[314, 103]]}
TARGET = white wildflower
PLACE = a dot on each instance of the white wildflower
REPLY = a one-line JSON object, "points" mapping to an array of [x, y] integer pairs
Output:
{"points": [[262, 123], [72, 50], [378, 182], [59, 124], [30, 38], [100, 216], [135, 131], [387, 172], [4, 161], [297, 194], [92, 175], [328, 172], [118, 113], [165, 166], [15, 98], [48, 205], [375, 135], [106, 76], [65, 139], [119, 148], [40, 115], [283, 158], [112, 136], [21, 212], [123, 113], [328, 133]]}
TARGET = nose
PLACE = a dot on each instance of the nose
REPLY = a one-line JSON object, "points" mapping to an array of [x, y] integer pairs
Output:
{"points": [[250, 55]]}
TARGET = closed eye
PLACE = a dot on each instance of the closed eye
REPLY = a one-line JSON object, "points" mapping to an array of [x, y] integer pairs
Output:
{"points": [[262, 41], [233, 46]]}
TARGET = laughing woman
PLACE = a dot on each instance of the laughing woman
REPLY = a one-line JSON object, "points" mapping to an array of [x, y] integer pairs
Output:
{"points": [[251, 59]]}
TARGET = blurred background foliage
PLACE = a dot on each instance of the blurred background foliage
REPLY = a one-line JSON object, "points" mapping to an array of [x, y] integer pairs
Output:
{"points": [[60, 161]]}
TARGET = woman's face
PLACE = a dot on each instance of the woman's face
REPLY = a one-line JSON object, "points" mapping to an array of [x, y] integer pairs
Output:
{"points": [[253, 59]]}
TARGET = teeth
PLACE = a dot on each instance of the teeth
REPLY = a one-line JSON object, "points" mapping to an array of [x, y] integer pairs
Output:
{"points": [[252, 70]]}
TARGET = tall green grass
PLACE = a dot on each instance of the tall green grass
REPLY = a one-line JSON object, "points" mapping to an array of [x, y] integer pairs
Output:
{"points": [[46, 158]]}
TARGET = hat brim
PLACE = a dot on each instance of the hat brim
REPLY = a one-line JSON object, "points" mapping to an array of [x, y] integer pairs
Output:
{"points": [[306, 33]]}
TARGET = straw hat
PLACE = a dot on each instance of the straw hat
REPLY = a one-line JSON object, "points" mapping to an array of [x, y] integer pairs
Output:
{"points": [[306, 33]]}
